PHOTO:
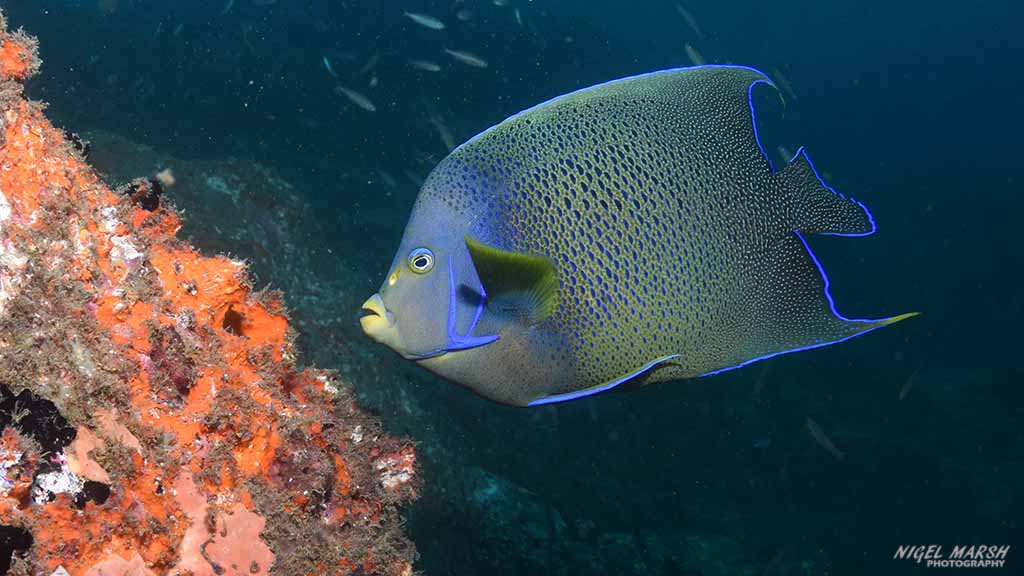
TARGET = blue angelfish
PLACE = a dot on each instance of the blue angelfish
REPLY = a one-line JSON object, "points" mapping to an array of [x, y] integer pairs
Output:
{"points": [[624, 234]]}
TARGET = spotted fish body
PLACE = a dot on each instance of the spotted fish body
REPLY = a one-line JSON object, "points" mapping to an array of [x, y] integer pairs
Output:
{"points": [[678, 251]]}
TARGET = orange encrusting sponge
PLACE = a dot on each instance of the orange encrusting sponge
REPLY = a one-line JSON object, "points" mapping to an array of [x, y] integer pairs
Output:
{"points": [[15, 60], [188, 440]]}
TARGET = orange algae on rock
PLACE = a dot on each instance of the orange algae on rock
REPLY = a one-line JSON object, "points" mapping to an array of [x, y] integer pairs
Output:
{"points": [[154, 420], [19, 57]]}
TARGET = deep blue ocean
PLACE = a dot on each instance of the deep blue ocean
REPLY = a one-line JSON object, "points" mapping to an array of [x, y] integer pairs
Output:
{"points": [[912, 107]]}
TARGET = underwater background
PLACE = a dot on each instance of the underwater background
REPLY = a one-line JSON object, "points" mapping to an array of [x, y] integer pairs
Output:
{"points": [[912, 107]]}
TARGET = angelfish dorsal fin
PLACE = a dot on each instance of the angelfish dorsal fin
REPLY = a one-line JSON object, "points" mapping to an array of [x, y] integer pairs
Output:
{"points": [[507, 273], [815, 207]]}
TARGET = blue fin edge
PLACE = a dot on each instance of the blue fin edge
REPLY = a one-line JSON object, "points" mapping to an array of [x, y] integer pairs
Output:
{"points": [[801, 151], [590, 391], [832, 307], [753, 114], [458, 341]]}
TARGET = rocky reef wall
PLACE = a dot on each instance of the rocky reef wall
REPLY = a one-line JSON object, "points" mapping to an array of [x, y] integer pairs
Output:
{"points": [[153, 418]]}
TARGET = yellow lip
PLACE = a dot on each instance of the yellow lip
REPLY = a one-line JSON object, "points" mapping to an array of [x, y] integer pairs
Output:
{"points": [[378, 320]]}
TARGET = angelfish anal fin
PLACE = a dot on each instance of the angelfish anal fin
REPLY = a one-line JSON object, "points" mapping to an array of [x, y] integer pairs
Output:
{"points": [[565, 397], [527, 279]]}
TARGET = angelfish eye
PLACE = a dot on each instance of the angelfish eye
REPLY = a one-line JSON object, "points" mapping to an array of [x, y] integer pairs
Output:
{"points": [[421, 260]]}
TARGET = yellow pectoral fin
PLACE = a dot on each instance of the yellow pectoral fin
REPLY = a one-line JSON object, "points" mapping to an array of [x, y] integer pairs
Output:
{"points": [[503, 272]]}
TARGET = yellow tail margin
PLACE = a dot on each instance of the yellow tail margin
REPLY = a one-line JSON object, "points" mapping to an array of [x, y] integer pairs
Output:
{"points": [[894, 319]]}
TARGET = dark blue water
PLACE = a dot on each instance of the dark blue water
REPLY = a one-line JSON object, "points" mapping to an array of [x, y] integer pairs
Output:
{"points": [[912, 107]]}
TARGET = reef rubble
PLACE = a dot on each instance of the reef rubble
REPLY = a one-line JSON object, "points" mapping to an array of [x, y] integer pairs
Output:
{"points": [[153, 417]]}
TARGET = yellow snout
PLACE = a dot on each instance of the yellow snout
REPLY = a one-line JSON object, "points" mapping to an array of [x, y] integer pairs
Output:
{"points": [[378, 321]]}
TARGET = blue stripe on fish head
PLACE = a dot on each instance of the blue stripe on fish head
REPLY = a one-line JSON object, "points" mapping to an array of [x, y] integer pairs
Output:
{"points": [[432, 297]]}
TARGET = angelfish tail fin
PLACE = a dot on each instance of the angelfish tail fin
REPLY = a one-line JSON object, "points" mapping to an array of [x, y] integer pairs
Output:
{"points": [[814, 207]]}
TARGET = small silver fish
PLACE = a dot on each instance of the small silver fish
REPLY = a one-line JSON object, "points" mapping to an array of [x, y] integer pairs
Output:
{"points": [[413, 177], [443, 132], [694, 56], [822, 439], [467, 58], [356, 98], [425, 20], [425, 65], [783, 83], [785, 153], [227, 8], [464, 15], [386, 178], [501, 3], [908, 384], [330, 70], [370, 64], [690, 20]]}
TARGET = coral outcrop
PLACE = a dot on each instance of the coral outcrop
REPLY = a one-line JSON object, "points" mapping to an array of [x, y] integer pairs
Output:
{"points": [[154, 420]]}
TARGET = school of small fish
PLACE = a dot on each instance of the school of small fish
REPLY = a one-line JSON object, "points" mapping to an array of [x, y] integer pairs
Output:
{"points": [[422, 20], [464, 13]]}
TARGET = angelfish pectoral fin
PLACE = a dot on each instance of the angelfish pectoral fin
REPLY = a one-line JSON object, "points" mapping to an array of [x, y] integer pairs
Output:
{"points": [[602, 387], [527, 278]]}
